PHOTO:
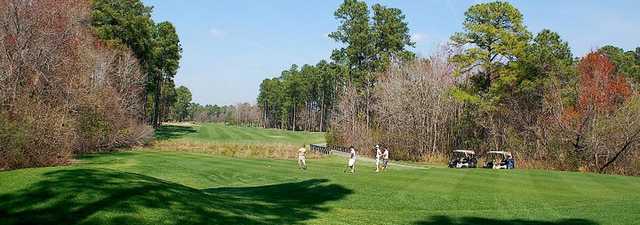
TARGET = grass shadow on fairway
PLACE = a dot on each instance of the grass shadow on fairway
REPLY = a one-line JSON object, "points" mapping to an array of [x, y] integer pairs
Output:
{"points": [[102, 196], [446, 220], [167, 132]]}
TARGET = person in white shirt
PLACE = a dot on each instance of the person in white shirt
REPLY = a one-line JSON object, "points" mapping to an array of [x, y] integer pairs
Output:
{"points": [[302, 164], [351, 165], [378, 156], [385, 159]]}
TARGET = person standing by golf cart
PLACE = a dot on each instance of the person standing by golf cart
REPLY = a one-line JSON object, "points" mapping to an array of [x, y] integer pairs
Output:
{"points": [[302, 164], [499, 160], [351, 164], [378, 158], [510, 163], [385, 159]]}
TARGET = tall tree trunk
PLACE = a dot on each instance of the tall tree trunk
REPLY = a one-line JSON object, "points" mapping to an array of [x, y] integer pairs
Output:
{"points": [[145, 93], [294, 115], [265, 109], [322, 107], [367, 96], [310, 118], [157, 102]]}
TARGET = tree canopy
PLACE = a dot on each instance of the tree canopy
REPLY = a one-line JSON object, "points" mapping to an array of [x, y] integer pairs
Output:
{"points": [[124, 23], [128, 24], [626, 62], [183, 101], [494, 37]]}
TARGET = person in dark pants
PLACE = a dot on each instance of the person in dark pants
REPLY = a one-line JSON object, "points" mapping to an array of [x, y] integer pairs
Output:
{"points": [[511, 164], [378, 158], [385, 159]]}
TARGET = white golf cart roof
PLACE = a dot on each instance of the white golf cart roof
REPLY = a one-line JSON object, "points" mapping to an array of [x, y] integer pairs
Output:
{"points": [[499, 152], [465, 151]]}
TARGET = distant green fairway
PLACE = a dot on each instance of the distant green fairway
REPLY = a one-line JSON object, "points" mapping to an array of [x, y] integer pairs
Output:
{"points": [[153, 187], [220, 133]]}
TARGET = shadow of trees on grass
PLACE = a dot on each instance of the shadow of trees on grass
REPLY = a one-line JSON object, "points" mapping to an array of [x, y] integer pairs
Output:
{"points": [[166, 132], [446, 220], [100, 196]]}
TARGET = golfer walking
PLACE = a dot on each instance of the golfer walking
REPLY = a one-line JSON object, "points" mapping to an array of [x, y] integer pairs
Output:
{"points": [[385, 159], [351, 165], [302, 164], [378, 156]]}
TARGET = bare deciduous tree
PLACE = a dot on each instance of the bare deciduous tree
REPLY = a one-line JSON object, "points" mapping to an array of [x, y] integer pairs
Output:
{"points": [[416, 114], [61, 89]]}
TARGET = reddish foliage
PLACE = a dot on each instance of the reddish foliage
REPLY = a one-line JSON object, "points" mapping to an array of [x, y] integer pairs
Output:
{"points": [[569, 115], [600, 127], [600, 89], [10, 40]]}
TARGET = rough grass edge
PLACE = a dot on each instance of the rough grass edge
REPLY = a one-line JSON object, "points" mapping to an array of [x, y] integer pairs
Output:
{"points": [[238, 150]]}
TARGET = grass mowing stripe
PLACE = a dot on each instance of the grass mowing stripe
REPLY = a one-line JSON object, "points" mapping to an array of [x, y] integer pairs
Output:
{"points": [[248, 135], [257, 134], [220, 132], [241, 135]]}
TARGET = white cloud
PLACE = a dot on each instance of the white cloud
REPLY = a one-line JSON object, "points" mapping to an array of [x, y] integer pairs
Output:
{"points": [[217, 33], [418, 37]]}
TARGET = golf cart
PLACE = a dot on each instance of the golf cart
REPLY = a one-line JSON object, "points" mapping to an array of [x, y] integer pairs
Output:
{"points": [[499, 160], [463, 159]]}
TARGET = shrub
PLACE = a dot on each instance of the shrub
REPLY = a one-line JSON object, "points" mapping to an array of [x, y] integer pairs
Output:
{"points": [[12, 138], [68, 92]]}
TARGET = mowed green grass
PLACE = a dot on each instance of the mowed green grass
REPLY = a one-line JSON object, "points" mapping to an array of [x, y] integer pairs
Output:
{"points": [[159, 187], [221, 133]]}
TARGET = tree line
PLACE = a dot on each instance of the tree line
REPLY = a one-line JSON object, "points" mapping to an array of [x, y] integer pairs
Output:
{"points": [[305, 98], [183, 109], [301, 98], [493, 86], [81, 76], [241, 114]]}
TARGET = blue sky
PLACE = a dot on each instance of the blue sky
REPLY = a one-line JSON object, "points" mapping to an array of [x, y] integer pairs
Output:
{"points": [[230, 46]]}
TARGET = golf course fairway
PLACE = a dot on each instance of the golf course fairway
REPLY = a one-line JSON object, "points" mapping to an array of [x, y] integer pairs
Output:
{"points": [[148, 186]]}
